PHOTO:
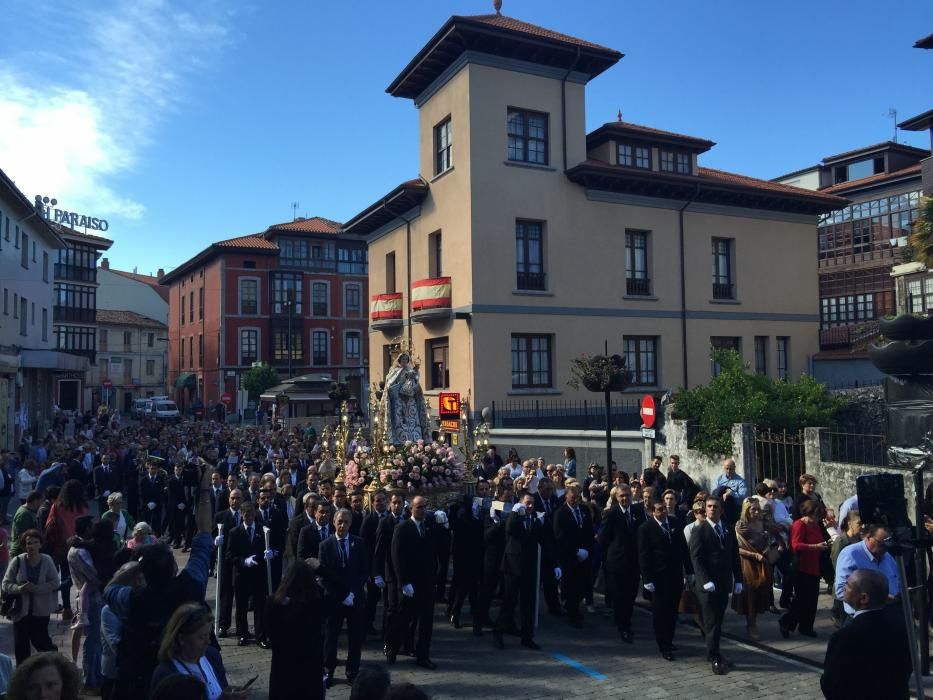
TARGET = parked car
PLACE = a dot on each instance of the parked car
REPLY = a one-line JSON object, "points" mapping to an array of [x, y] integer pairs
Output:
{"points": [[140, 408], [164, 409]]}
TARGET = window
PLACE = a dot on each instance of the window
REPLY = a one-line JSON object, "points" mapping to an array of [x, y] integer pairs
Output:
{"points": [[74, 302], [675, 162], [529, 255], [249, 346], [438, 350], [319, 299], [200, 350], [721, 342], [761, 354], [915, 296], [150, 368], [45, 266], [45, 324], [182, 309], [352, 346], [15, 305], [128, 338], [434, 255], [723, 287], [200, 303], [637, 282], [352, 261], [249, 297], [191, 306], [24, 253], [23, 310], [634, 156], [641, 359], [102, 334], [442, 147], [34, 251], [351, 300], [6, 301], [16, 237], [73, 338], [783, 350], [527, 136], [287, 293], [390, 273], [191, 352], [32, 313], [682, 163], [181, 362], [531, 361], [150, 339], [318, 348]]}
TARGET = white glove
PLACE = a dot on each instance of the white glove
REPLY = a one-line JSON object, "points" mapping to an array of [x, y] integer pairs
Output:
{"points": [[492, 512], [151, 505], [180, 506], [219, 541], [269, 554], [738, 588], [348, 601], [709, 587], [380, 582], [558, 573], [649, 587], [250, 561], [440, 517], [408, 591], [691, 579], [582, 555], [519, 509], [106, 494]]}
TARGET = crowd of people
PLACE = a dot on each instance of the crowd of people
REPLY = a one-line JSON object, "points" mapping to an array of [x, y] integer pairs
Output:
{"points": [[98, 514]]}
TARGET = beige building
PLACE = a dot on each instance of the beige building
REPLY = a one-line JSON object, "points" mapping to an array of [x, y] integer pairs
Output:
{"points": [[132, 353], [526, 242]]}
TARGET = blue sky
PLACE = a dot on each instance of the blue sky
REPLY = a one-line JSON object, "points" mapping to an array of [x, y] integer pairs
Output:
{"points": [[188, 122]]}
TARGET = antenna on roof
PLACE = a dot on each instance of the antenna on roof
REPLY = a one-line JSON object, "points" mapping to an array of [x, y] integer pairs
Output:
{"points": [[619, 115], [893, 114], [294, 211], [498, 5]]}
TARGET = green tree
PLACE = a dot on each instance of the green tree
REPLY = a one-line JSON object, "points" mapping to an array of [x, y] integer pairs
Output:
{"points": [[921, 240], [738, 395], [258, 379]]}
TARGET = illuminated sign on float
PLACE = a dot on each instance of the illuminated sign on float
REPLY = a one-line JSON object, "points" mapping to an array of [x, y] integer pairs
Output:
{"points": [[69, 218]]}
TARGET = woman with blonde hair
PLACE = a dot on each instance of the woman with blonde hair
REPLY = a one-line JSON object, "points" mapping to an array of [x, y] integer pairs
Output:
{"points": [[754, 544]]}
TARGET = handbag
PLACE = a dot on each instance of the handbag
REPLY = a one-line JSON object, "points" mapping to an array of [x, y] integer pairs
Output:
{"points": [[10, 605]]}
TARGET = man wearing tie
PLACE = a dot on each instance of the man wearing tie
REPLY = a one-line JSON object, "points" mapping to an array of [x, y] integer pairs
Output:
{"points": [[414, 557], [384, 574], [246, 552], [664, 560], [302, 518], [345, 568], [714, 554], [276, 521], [311, 536], [468, 558], [573, 532], [106, 481], [152, 494], [548, 503], [368, 531], [230, 519], [619, 541]]}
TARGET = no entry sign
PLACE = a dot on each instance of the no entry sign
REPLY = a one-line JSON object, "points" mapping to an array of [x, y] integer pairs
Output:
{"points": [[647, 412]]}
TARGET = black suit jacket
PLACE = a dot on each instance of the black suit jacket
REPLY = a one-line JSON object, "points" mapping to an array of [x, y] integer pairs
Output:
{"points": [[382, 554], [176, 491], [357, 523], [662, 559], [239, 549], [571, 537], [342, 578], [414, 556], [521, 546], [277, 522], [107, 480], [713, 562], [468, 540], [368, 531], [619, 539], [309, 540], [553, 502], [869, 658], [294, 531], [153, 491]]}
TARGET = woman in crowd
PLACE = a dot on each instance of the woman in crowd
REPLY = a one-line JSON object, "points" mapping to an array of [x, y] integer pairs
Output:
{"points": [[59, 528], [807, 543], [807, 493], [33, 578], [142, 534], [754, 548], [48, 676], [122, 521], [186, 650], [570, 462], [295, 619]]}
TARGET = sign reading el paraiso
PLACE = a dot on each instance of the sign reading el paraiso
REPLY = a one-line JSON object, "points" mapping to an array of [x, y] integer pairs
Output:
{"points": [[75, 220]]}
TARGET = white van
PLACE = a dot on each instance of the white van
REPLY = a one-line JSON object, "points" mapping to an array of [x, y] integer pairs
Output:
{"points": [[163, 409], [140, 408]]}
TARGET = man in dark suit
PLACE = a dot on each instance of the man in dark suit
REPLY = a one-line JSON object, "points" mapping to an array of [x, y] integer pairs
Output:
{"points": [[384, 574], [176, 505], [619, 541], [664, 562], [107, 480], [345, 567], [231, 483], [303, 517], [229, 519], [368, 529], [468, 558], [525, 535], [311, 536], [270, 517], [356, 507], [152, 494], [414, 557], [573, 533], [714, 554], [547, 502], [869, 657], [246, 552]]}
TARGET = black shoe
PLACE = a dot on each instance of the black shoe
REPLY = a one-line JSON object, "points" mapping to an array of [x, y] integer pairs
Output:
{"points": [[784, 631], [497, 640], [531, 644], [351, 677], [329, 679], [809, 633], [667, 655], [455, 621], [719, 668], [224, 633], [264, 644], [244, 642], [626, 636], [426, 663]]}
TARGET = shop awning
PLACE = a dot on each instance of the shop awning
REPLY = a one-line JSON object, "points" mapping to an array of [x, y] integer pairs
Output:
{"points": [[186, 379]]}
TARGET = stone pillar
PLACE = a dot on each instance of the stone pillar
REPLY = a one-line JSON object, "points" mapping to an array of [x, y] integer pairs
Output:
{"points": [[743, 445], [812, 460]]}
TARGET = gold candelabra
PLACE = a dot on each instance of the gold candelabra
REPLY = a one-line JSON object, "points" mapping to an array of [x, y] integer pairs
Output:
{"points": [[342, 437]]}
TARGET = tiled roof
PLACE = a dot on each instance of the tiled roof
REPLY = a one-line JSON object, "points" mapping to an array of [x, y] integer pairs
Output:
{"points": [[746, 181], [873, 179], [652, 131], [126, 318], [252, 242], [866, 149], [516, 25], [620, 129], [314, 224], [153, 282]]}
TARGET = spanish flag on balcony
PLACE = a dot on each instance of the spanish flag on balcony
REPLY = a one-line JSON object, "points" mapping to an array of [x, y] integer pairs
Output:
{"points": [[385, 307], [430, 294]]}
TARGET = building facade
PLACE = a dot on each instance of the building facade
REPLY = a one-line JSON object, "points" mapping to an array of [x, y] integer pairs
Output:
{"points": [[292, 296], [132, 353], [532, 242]]}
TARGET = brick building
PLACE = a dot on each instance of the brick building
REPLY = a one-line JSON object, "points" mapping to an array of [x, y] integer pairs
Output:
{"points": [[291, 296]]}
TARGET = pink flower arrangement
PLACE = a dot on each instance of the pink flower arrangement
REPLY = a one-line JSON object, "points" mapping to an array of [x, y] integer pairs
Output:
{"points": [[420, 464]]}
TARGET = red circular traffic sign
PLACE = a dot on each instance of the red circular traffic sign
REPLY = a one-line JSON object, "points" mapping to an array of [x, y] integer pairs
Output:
{"points": [[647, 412], [107, 384], [226, 397]]}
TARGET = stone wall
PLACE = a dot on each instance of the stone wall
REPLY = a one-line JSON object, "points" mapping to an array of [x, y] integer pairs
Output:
{"points": [[628, 446]]}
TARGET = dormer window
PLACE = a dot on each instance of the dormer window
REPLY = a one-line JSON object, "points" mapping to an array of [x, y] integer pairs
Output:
{"points": [[675, 162], [632, 156]]}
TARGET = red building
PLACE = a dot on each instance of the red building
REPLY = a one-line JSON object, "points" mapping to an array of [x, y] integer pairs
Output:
{"points": [[291, 297]]}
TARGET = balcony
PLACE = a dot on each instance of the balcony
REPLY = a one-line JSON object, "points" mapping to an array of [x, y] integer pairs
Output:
{"points": [[723, 290], [75, 273], [430, 299], [385, 310], [638, 287], [69, 313], [532, 281]]}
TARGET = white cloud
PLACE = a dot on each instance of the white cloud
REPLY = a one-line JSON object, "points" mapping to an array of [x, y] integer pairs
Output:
{"points": [[70, 131]]}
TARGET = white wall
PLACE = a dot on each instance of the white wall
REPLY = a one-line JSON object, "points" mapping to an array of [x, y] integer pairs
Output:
{"points": [[118, 293]]}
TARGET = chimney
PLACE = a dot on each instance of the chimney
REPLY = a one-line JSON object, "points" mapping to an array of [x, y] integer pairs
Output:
{"points": [[104, 264], [161, 273]]}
